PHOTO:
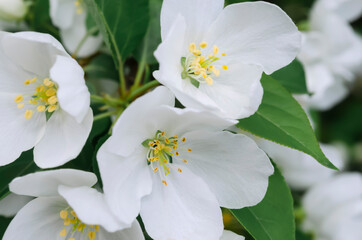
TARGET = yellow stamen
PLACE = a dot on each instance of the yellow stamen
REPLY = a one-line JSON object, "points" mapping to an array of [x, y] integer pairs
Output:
{"points": [[179, 170], [189, 150], [19, 98], [215, 50], [155, 170], [33, 101], [224, 67], [91, 235], [223, 54], [20, 105], [28, 114], [96, 227], [185, 161], [63, 233], [52, 100], [52, 108], [41, 108], [209, 80], [47, 82], [51, 92], [203, 44], [183, 139], [63, 214], [164, 182], [192, 47], [67, 222]]}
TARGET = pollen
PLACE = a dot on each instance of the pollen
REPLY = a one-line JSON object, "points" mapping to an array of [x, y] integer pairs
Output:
{"points": [[203, 44], [63, 233], [19, 99], [63, 214], [164, 182], [224, 67], [28, 114], [189, 150], [179, 170]]}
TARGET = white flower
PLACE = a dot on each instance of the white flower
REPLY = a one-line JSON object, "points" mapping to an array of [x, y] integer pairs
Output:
{"points": [[65, 208], [323, 201], [213, 58], [39, 80], [13, 10], [300, 170], [331, 52], [70, 16], [177, 166], [228, 235], [12, 203]]}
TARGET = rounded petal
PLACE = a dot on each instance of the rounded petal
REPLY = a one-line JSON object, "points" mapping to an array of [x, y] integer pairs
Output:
{"points": [[228, 235], [39, 219], [63, 140], [82, 199], [62, 13], [218, 154], [132, 128], [184, 209], [46, 183], [126, 180], [34, 52], [72, 93], [323, 198], [72, 37], [256, 33], [11, 204], [199, 14], [132, 233], [349, 10]]}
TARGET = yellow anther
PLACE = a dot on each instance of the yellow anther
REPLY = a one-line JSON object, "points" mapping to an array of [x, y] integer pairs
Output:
{"points": [[167, 140], [216, 72], [79, 10], [52, 100], [179, 170], [50, 92], [185, 161], [80, 227], [183, 139], [19, 98], [33, 101], [155, 170], [77, 3], [192, 47], [224, 67], [71, 239], [52, 108], [174, 147], [40, 89], [223, 54], [27, 82], [73, 214], [209, 80], [28, 114], [41, 108], [63, 214], [47, 82], [215, 50], [67, 222], [20, 105], [164, 182], [177, 153], [197, 52], [202, 59], [162, 133], [91, 235], [63, 233], [175, 136], [203, 44], [189, 150], [96, 227], [204, 75]]}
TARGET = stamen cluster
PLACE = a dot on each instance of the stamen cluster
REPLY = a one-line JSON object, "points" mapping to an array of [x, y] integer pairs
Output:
{"points": [[73, 226], [44, 97], [198, 68], [162, 150]]}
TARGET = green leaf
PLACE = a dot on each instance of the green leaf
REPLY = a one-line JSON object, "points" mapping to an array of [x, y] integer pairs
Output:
{"points": [[101, 66], [94, 159], [39, 18], [272, 218], [281, 119], [292, 77], [22, 166], [4, 222], [123, 24]]}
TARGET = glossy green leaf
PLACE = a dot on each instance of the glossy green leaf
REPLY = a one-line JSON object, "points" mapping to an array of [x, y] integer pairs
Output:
{"points": [[272, 218], [123, 24], [292, 77], [39, 18], [281, 119], [101, 66]]}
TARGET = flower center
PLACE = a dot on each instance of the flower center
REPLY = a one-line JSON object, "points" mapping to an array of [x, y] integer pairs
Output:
{"points": [[161, 152], [44, 98], [75, 229], [201, 69], [78, 4]]}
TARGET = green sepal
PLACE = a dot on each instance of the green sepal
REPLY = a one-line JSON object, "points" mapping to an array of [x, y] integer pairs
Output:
{"points": [[194, 82]]}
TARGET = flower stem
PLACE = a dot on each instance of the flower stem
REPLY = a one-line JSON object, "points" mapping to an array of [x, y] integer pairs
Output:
{"points": [[142, 89], [122, 79], [104, 115], [84, 39]]}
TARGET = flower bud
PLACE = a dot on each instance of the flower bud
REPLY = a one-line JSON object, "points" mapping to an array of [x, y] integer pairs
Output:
{"points": [[12, 10]]}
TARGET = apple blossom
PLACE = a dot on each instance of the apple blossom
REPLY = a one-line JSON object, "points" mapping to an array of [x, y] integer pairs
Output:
{"points": [[322, 201], [45, 103], [212, 57], [331, 52], [65, 207], [70, 16], [12, 203], [13, 10], [228, 235], [177, 166]]}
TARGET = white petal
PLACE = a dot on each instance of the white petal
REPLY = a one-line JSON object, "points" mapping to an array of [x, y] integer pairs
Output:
{"points": [[11, 204], [126, 180], [256, 33], [132, 233], [131, 128], [91, 207], [320, 200], [199, 14], [73, 94], [349, 10], [62, 13], [35, 52], [228, 235], [63, 140], [21, 133], [184, 209], [73, 35], [39, 219], [235, 168], [46, 183]]}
